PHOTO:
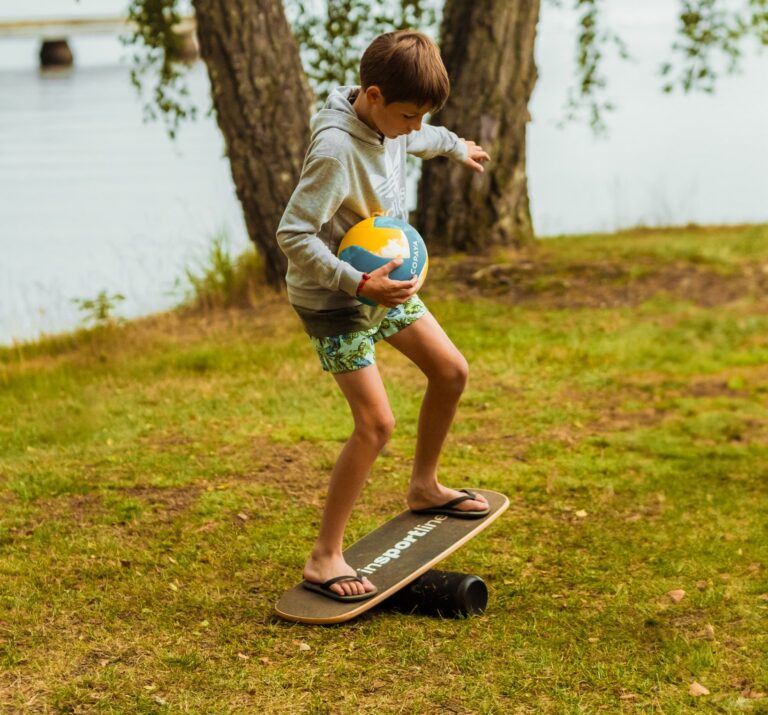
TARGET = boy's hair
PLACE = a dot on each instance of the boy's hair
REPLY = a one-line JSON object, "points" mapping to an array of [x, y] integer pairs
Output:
{"points": [[406, 66]]}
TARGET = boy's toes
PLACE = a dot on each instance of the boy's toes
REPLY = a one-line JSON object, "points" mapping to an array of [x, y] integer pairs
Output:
{"points": [[474, 506], [352, 588], [349, 588], [478, 504], [342, 590]]}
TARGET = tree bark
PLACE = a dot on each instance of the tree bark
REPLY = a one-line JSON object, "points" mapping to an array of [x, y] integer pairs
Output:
{"points": [[262, 102], [487, 47]]}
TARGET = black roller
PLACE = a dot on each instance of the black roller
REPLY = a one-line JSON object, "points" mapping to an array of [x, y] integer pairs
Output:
{"points": [[441, 593]]}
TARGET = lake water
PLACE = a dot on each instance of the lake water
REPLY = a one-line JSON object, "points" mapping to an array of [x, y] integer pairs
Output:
{"points": [[92, 198]]}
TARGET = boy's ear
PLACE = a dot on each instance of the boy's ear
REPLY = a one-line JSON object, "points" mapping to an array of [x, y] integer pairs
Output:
{"points": [[373, 94]]}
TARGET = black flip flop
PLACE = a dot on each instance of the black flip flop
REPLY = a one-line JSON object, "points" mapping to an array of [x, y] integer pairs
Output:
{"points": [[324, 589], [448, 509]]}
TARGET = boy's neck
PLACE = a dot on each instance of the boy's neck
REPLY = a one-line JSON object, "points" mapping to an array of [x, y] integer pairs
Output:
{"points": [[363, 110]]}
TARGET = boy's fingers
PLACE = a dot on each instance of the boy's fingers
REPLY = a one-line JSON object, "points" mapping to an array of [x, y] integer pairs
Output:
{"points": [[405, 285], [387, 268], [396, 289], [475, 166], [406, 292]]}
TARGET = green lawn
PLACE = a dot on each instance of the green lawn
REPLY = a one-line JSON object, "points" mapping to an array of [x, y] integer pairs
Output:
{"points": [[161, 484]]}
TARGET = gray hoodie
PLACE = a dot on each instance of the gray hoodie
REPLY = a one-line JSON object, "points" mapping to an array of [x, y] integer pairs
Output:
{"points": [[350, 172]]}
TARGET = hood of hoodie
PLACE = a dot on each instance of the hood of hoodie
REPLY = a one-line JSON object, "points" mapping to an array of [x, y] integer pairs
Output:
{"points": [[338, 113]]}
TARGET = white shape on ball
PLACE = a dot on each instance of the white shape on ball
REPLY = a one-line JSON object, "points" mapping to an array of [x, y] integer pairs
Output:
{"points": [[396, 247]]}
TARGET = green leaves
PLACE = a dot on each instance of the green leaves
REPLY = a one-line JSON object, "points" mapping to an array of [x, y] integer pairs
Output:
{"points": [[99, 311], [159, 55], [332, 36], [332, 39], [586, 98], [710, 32]]}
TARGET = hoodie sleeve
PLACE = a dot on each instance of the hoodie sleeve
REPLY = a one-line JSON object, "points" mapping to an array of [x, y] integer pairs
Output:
{"points": [[321, 189], [430, 141]]}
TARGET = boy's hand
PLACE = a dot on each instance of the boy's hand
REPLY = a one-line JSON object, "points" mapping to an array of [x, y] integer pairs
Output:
{"points": [[385, 291], [476, 156]]}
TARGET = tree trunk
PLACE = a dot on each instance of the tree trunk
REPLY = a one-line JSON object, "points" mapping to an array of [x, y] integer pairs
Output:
{"points": [[262, 102], [487, 47]]}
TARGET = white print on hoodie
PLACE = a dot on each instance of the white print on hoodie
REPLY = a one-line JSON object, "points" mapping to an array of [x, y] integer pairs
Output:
{"points": [[390, 189]]}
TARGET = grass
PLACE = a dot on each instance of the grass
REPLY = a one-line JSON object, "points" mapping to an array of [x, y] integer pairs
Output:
{"points": [[223, 280], [161, 484]]}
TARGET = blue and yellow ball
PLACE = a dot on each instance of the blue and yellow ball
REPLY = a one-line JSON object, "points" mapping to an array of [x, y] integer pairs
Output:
{"points": [[375, 241]]}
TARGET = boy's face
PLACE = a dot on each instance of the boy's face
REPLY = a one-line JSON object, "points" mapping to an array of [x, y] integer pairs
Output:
{"points": [[395, 118]]}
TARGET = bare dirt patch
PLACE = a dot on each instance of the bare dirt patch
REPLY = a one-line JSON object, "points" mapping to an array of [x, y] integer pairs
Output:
{"points": [[292, 469], [613, 417], [164, 503], [648, 401], [82, 507], [79, 508], [732, 382], [605, 285]]}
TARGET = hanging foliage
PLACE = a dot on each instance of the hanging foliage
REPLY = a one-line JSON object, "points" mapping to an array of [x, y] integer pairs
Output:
{"points": [[333, 34], [711, 35], [157, 57], [586, 100]]}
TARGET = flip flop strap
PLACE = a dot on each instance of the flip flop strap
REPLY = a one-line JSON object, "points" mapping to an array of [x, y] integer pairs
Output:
{"points": [[336, 579], [458, 500]]}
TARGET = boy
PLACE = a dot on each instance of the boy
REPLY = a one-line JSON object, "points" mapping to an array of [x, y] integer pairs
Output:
{"points": [[354, 167]]}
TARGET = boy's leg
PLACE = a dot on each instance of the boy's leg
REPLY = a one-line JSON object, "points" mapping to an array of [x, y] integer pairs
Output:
{"points": [[426, 344], [374, 423]]}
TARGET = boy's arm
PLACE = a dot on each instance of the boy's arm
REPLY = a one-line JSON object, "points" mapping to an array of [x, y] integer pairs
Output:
{"points": [[322, 188], [430, 141]]}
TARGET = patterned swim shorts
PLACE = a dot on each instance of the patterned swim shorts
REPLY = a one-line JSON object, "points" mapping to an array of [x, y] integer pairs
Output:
{"points": [[345, 353]]}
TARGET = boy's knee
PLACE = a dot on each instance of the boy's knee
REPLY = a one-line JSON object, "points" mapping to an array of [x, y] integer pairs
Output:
{"points": [[453, 376], [377, 429]]}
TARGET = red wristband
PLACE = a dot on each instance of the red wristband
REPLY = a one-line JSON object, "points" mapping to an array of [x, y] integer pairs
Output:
{"points": [[362, 283]]}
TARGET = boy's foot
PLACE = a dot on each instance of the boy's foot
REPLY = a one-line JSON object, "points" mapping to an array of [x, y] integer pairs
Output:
{"points": [[439, 497], [318, 570], [324, 589]]}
